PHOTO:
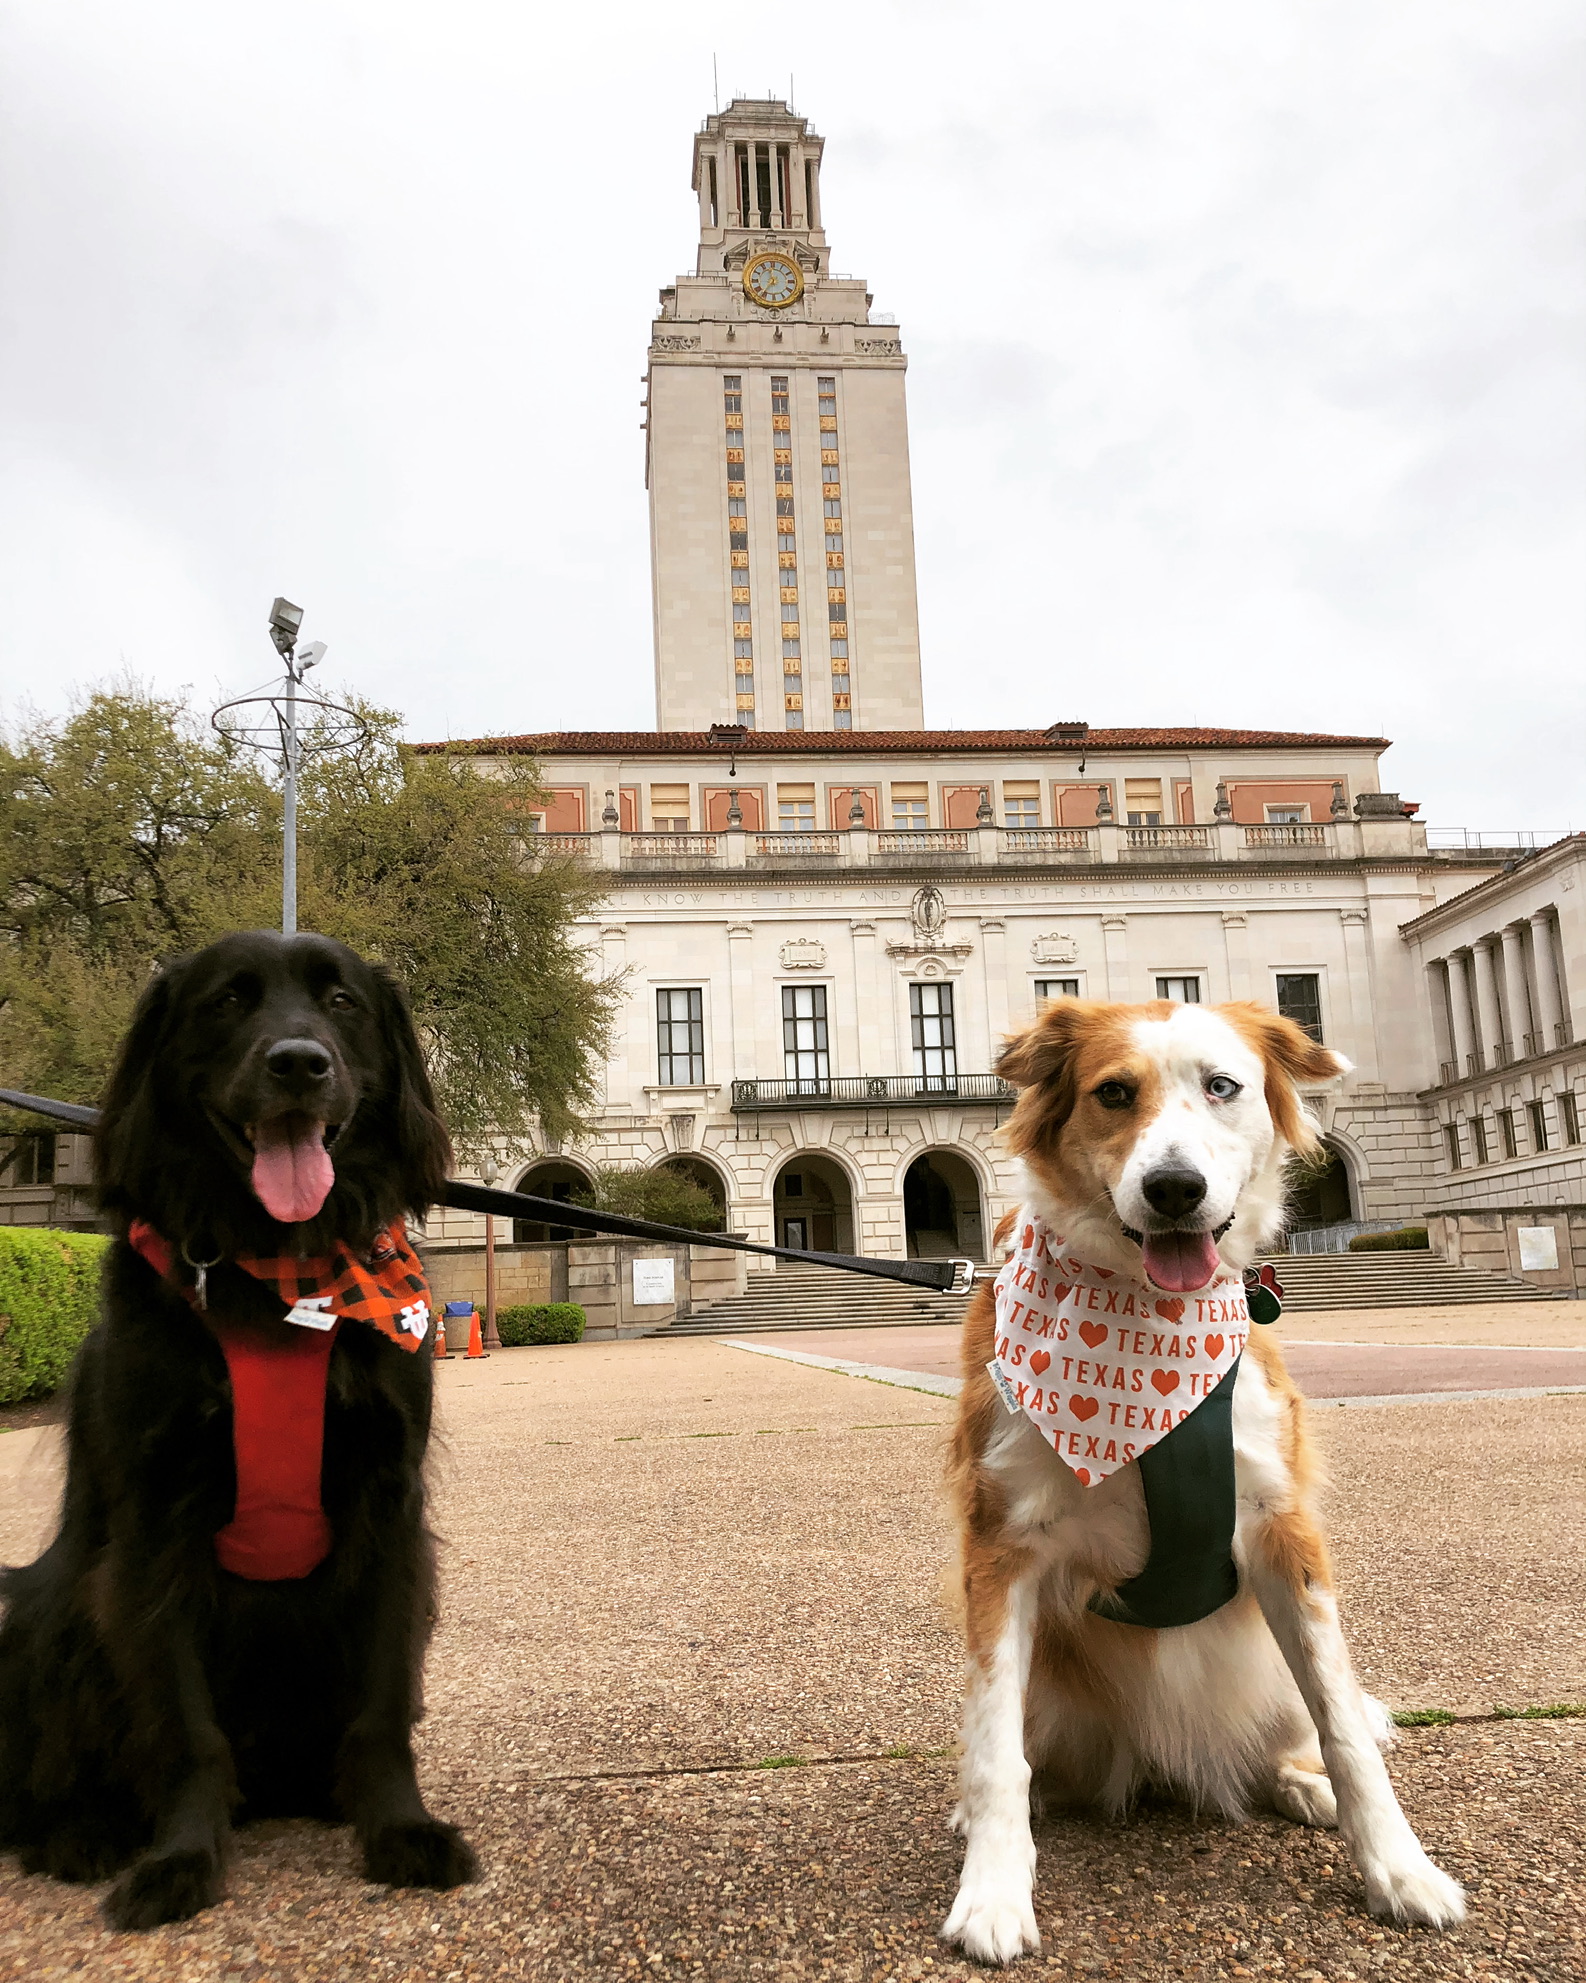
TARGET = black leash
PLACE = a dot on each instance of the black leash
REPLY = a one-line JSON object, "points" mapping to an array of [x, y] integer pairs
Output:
{"points": [[947, 1276]]}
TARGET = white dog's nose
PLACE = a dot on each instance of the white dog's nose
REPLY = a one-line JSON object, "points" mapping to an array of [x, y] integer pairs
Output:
{"points": [[1173, 1192]]}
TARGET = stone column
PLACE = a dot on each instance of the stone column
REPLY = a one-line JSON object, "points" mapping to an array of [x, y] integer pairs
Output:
{"points": [[614, 958], [740, 966], [1236, 946], [1362, 1048], [1550, 1005], [1437, 997], [1115, 948], [864, 952], [1521, 1032], [994, 968], [1463, 1018], [1489, 1021]]}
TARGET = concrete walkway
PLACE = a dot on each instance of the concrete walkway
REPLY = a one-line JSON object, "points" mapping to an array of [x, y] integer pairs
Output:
{"points": [[693, 1689]]}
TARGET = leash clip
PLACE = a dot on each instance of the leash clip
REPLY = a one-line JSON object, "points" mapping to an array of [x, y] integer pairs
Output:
{"points": [[963, 1276], [200, 1276]]}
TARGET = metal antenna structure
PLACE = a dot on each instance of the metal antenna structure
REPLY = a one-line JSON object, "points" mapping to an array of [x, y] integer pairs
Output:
{"points": [[271, 724]]}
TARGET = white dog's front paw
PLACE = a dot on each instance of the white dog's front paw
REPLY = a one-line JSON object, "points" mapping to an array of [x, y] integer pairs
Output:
{"points": [[1412, 1891], [992, 1920]]}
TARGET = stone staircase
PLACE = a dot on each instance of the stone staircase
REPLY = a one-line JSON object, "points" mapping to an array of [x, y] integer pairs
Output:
{"points": [[820, 1298], [1390, 1280], [827, 1298]]}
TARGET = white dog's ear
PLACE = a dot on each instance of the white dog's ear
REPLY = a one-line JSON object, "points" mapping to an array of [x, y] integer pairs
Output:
{"points": [[1293, 1060]]}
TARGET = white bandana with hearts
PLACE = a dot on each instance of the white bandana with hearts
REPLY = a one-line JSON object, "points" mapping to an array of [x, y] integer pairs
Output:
{"points": [[1104, 1364]]}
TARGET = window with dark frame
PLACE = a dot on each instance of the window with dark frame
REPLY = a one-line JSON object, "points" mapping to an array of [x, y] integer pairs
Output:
{"points": [[1478, 1139], [1182, 991], [1300, 999], [806, 1046], [1046, 988], [1509, 1131], [1568, 1116], [1537, 1111], [1451, 1138], [935, 1044], [680, 1037]]}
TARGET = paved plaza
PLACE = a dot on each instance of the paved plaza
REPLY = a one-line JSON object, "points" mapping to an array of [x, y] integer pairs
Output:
{"points": [[694, 1687]]}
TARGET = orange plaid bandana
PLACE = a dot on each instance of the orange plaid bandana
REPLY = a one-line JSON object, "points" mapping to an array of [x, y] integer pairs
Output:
{"points": [[389, 1292]]}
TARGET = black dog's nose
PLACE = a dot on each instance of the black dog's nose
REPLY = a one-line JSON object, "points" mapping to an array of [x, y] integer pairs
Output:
{"points": [[298, 1060], [1173, 1193]]}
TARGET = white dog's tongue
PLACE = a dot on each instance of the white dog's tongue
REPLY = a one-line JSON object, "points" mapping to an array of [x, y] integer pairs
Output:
{"points": [[292, 1170], [1179, 1261]]}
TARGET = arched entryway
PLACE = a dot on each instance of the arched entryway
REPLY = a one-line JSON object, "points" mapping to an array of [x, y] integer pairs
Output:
{"points": [[814, 1205], [942, 1213], [551, 1177], [1319, 1193], [700, 1171]]}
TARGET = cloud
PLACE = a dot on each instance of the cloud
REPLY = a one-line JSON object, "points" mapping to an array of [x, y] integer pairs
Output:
{"points": [[1246, 379]]}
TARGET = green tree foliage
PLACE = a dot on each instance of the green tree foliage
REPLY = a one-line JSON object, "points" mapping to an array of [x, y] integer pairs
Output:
{"points": [[661, 1194], [130, 832]]}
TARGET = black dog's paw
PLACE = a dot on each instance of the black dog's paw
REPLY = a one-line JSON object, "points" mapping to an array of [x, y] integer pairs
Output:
{"points": [[419, 1852], [169, 1886]]}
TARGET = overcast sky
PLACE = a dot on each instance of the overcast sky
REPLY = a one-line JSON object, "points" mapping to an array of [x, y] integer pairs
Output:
{"points": [[1246, 384]]}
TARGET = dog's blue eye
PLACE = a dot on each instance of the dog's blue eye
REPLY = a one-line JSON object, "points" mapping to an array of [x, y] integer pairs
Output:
{"points": [[1222, 1088]]}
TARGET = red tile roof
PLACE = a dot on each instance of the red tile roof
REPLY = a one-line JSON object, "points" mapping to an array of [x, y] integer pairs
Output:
{"points": [[871, 743]]}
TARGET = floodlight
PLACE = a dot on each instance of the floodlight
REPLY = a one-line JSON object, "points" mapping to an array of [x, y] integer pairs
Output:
{"points": [[285, 619]]}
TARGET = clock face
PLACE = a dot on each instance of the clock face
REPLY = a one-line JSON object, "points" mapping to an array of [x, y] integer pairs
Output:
{"points": [[773, 280]]}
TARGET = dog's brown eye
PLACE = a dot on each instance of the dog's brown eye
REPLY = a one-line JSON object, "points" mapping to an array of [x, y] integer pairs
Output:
{"points": [[341, 1001], [1114, 1095], [225, 1001]]}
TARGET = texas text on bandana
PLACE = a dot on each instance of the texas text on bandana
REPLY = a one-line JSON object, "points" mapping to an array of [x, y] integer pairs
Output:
{"points": [[278, 1528], [1105, 1365]]}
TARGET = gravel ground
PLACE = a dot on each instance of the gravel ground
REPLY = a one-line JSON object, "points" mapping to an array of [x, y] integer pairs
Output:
{"points": [[724, 1571]]}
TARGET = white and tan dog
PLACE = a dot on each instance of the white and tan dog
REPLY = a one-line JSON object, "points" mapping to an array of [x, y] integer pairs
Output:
{"points": [[1153, 1139]]}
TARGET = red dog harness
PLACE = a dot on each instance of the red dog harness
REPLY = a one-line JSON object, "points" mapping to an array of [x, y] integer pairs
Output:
{"points": [[279, 1529]]}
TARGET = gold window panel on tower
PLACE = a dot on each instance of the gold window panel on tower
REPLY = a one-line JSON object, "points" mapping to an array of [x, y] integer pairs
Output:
{"points": [[785, 527], [792, 702], [828, 457], [781, 423], [841, 699]]}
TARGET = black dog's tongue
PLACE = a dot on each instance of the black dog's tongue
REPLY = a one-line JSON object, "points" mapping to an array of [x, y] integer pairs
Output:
{"points": [[292, 1170]]}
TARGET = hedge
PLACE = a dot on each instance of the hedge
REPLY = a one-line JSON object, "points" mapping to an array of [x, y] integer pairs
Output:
{"points": [[49, 1300], [541, 1322], [1407, 1239]]}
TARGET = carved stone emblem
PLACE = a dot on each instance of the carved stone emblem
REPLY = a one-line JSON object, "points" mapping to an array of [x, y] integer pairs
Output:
{"points": [[1056, 947], [928, 913], [802, 953]]}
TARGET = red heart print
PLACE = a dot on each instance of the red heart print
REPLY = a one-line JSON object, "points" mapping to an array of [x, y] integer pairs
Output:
{"points": [[1084, 1408], [1171, 1310], [1082, 1475], [1028, 1240], [1214, 1345], [1060, 1293], [1165, 1380], [1038, 1361], [1093, 1333]]}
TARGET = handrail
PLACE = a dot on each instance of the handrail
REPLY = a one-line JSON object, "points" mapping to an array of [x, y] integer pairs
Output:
{"points": [[849, 1091]]}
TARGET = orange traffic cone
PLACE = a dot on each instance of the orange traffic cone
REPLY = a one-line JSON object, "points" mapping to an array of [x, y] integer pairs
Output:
{"points": [[476, 1346], [440, 1334]]}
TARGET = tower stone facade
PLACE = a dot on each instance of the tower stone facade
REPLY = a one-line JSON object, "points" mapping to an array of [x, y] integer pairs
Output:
{"points": [[781, 521]]}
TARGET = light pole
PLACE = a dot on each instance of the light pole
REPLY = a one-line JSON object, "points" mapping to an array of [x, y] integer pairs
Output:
{"points": [[489, 1172], [269, 723]]}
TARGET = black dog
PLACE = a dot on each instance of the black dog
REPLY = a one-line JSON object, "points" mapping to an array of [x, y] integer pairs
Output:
{"points": [[148, 1693]]}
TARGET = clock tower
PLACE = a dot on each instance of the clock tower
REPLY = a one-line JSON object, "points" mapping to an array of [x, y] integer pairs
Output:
{"points": [[781, 523]]}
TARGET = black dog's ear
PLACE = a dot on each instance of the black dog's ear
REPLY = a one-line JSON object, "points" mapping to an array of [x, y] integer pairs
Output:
{"points": [[424, 1150], [127, 1137]]}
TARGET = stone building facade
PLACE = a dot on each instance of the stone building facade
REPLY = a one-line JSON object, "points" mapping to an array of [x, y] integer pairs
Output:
{"points": [[818, 978]]}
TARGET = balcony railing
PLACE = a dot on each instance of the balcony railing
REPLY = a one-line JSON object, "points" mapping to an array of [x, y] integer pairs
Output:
{"points": [[925, 840], [1533, 1046], [860, 1091], [1167, 839], [1288, 833], [987, 846], [797, 846]]}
